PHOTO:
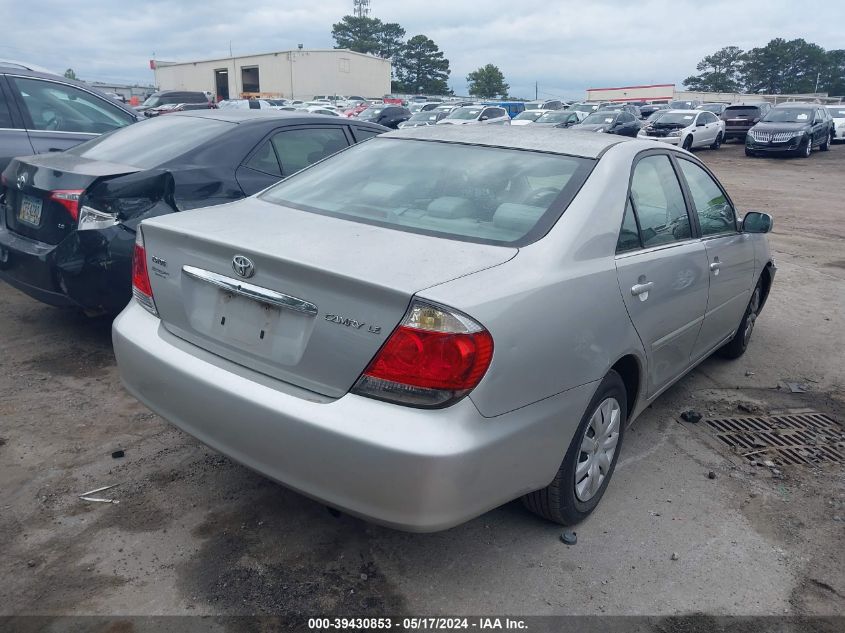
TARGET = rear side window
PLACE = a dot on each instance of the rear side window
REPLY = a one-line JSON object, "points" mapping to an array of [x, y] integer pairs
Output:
{"points": [[63, 108], [363, 133], [482, 194], [658, 202], [265, 161], [629, 234], [715, 213], [299, 148]]}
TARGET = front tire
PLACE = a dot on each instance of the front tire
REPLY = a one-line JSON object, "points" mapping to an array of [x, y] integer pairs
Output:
{"points": [[739, 343], [807, 149], [589, 463], [826, 145], [687, 144], [718, 142]]}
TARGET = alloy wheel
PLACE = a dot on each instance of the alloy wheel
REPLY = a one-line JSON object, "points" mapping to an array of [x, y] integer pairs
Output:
{"points": [[598, 447]]}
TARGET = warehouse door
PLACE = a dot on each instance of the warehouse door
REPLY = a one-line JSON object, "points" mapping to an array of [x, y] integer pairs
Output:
{"points": [[221, 84]]}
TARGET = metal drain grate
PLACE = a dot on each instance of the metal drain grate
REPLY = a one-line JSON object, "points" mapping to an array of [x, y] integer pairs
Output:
{"points": [[794, 439]]}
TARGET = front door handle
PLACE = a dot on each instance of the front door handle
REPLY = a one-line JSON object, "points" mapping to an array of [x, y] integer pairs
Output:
{"points": [[715, 266], [642, 289]]}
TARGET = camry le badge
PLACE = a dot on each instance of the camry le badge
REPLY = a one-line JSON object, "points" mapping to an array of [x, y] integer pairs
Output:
{"points": [[243, 266]]}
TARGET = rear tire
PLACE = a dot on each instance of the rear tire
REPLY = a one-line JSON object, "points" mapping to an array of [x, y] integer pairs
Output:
{"points": [[584, 475], [739, 343], [718, 142]]}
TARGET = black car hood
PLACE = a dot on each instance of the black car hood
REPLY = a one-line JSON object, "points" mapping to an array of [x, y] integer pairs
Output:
{"points": [[71, 163], [775, 126]]}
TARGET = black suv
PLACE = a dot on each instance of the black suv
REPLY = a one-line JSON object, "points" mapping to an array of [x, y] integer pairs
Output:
{"points": [[41, 112], [387, 115], [165, 97], [793, 128], [741, 117]]}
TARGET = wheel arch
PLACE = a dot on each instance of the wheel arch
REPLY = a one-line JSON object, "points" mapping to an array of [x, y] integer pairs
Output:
{"points": [[767, 276], [630, 370]]}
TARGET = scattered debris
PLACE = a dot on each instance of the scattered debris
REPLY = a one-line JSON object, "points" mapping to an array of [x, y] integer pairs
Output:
{"points": [[118, 454], [675, 556], [569, 537], [711, 475], [86, 496], [654, 514], [30, 563], [691, 416], [794, 387], [363, 576], [769, 463], [748, 374], [748, 407]]}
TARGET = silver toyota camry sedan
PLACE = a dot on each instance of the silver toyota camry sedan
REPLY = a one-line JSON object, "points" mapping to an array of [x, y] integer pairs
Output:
{"points": [[439, 320]]}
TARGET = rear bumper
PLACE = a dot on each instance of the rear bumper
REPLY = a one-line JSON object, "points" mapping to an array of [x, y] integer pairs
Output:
{"points": [[411, 469], [90, 270], [736, 132]]}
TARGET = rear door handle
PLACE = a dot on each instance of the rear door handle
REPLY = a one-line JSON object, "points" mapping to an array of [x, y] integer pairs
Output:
{"points": [[639, 289]]}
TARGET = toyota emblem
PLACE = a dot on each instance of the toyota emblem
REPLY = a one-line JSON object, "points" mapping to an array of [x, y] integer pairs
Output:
{"points": [[22, 178], [243, 266]]}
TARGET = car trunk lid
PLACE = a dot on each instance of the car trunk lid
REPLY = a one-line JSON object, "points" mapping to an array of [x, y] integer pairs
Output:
{"points": [[324, 295], [34, 209]]}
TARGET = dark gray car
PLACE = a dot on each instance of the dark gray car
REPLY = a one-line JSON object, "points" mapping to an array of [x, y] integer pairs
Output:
{"points": [[41, 112]]}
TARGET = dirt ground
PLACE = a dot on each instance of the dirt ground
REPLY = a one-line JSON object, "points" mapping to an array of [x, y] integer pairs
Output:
{"points": [[195, 533]]}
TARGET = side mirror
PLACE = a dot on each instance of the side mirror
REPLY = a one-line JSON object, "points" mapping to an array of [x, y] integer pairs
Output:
{"points": [[756, 222], [484, 118]]}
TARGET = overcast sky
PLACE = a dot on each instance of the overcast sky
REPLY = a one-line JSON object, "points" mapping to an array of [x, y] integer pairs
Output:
{"points": [[565, 46]]}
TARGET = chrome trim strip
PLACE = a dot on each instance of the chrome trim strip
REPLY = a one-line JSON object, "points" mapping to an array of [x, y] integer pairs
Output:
{"points": [[251, 291]]}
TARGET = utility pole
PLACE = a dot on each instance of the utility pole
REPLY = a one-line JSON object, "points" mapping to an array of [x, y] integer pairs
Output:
{"points": [[361, 8], [536, 94], [816, 90]]}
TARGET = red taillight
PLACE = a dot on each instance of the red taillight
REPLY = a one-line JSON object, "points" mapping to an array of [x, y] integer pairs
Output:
{"points": [[69, 199], [432, 359], [141, 288]]}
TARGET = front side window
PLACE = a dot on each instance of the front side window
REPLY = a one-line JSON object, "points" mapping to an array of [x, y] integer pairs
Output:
{"points": [[299, 148], [64, 108], [658, 202], [715, 213], [465, 192]]}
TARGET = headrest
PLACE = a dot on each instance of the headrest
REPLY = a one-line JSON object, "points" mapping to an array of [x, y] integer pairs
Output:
{"points": [[451, 207], [520, 218]]}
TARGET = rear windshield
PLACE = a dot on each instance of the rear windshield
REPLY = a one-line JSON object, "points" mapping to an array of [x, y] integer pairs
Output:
{"points": [[465, 192], [150, 143], [556, 116], [741, 111], [465, 113]]}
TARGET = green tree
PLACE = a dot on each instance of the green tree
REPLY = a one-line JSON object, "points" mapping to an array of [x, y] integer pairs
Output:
{"points": [[357, 34], [487, 82], [69, 74], [783, 66], [368, 35], [719, 72], [421, 67], [833, 77]]}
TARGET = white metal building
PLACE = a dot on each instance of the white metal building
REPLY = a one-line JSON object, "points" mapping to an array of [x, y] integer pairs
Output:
{"points": [[295, 74]]}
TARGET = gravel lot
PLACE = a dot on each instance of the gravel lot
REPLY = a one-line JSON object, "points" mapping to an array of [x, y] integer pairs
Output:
{"points": [[195, 533]]}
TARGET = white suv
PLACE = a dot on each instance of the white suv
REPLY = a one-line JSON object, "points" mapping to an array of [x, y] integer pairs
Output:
{"points": [[476, 115]]}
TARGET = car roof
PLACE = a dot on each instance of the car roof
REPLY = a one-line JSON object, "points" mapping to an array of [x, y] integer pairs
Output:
{"points": [[524, 137], [681, 111], [283, 116], [800, 104]]}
